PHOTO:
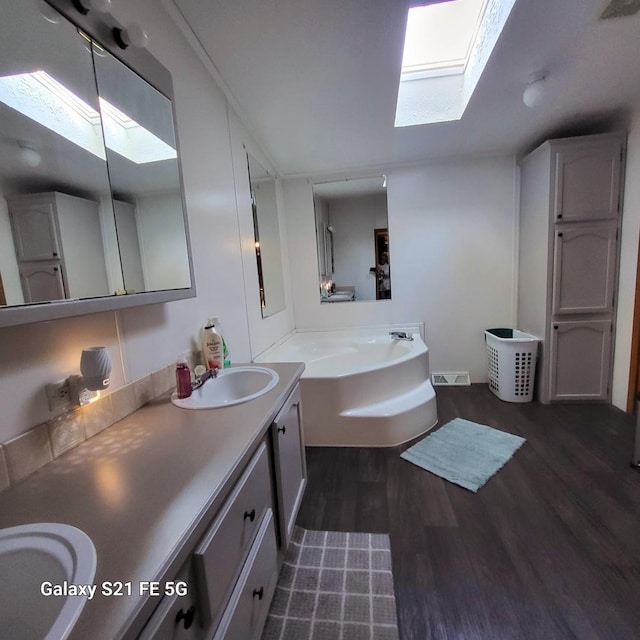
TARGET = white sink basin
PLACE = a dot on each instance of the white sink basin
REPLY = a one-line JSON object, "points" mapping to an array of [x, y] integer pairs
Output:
{"points": [[31, 558], [232, 386]]}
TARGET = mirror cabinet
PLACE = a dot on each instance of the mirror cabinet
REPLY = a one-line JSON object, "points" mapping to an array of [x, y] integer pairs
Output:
{"points": [[92, 213]]}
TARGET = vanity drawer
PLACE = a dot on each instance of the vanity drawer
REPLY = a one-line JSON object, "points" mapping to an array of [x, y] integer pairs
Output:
{"points": [[219, 557], [246, 614]]}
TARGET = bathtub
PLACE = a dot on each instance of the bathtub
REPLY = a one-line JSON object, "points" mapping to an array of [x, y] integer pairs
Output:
{"points": [[361, 388]]}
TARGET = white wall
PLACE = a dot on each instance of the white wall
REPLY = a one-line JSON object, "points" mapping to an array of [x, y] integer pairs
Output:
{"points": [[628, 266], [162, 250], [451, 241]]}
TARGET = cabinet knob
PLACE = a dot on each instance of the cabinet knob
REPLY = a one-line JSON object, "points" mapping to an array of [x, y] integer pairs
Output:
{"points": [[559, 216], [55, 268], [258, 593], [186, 618], [55, 255], [282, 429], [560, 235], [555, 326], [250, 514]]}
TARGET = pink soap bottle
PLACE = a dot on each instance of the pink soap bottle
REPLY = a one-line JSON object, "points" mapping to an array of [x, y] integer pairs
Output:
{"points": [[183, 378]]}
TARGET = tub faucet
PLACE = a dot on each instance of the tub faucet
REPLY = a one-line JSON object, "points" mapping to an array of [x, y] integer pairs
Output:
{"points": [[400, 335], [201, 379]]}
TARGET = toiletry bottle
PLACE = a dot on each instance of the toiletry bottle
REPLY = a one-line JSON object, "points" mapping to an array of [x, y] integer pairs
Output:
{"points": [[212, 345], [226, 358], [183, 377]]}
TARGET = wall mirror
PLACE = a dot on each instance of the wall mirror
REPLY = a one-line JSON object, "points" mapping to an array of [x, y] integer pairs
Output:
{"points": [[267, 238], [352, 240], [91, 205]]}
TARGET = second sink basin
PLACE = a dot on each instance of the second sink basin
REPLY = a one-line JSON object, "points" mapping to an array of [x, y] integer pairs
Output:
{"points": [[232, 386], [35, 559]]}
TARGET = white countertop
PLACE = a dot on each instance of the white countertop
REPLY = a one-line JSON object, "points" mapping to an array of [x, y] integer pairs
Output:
{"points": [[143, 490]]}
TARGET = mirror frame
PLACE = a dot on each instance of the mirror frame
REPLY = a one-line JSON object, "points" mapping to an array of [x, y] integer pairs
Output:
{"points": [[141, 62]]}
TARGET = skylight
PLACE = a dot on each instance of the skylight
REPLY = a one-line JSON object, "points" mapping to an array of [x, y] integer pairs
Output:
{"points": [[439, 37], [447, 46], [42, 98]]}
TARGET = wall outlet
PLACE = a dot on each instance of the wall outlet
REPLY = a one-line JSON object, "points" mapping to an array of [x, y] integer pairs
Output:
{"points": [[59, 396]]}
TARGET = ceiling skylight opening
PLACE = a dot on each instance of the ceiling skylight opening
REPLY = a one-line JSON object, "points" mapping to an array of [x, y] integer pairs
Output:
{"points": [[40, 97], [439, 38], [447, 46]]}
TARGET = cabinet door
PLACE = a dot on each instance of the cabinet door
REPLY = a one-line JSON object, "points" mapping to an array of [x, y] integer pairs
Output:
{"points": [[587, 181], [580, 360], [219, 557], [245, 617], [584, 268], [34, 230], [290, 466], [42, 281], [177, 615]]}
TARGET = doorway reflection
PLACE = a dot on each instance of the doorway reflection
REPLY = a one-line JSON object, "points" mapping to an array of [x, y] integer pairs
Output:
{"points": [[352, 240]]}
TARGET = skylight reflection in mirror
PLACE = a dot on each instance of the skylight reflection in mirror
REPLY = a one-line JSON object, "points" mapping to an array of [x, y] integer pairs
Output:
{"points": [[42, 98]]}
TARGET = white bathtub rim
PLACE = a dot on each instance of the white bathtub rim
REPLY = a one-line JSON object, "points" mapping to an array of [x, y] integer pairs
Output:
{"points": [[410, 327], [416, 350]]}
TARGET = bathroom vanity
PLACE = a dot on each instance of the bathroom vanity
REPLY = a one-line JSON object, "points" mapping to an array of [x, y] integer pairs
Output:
{"points": [[190, 513]]}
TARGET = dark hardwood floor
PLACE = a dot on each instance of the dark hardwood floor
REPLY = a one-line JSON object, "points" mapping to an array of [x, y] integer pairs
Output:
{"points": [[549, 548]]}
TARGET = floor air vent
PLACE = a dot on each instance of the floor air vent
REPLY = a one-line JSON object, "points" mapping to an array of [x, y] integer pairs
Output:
{"points": [[459, 378]]}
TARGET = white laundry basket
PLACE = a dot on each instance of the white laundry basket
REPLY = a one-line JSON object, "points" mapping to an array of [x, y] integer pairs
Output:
{"points": [[511, 356]]}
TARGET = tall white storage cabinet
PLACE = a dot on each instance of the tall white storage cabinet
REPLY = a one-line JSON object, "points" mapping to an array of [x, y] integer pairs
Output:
{"points": [[570, 206], [59, 246]]}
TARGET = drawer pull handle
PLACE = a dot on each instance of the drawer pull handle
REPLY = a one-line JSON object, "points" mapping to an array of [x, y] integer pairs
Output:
{"points": [[186, 618], [250, 514], [258, 592], [282, 430]]}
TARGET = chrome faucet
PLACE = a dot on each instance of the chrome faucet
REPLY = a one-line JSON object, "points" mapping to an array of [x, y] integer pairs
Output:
{"points": [[401, 335], [201, 379]]}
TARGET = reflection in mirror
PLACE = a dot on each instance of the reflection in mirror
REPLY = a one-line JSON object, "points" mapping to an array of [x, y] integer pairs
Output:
{"points": [[352, 240], [267, 238], [145, 182], [53, 173]]}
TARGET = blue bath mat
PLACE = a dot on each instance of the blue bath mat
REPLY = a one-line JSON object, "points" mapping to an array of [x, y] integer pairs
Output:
{"points": [[464, 452]]}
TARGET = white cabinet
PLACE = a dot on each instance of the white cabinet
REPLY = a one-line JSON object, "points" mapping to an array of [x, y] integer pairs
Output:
{"points": [[580, 355], [231, 572], [220, 556], [290, 465], [175, 616], [570, 208], [247, 611], [584, 268], [41, 281], [65, 232]]}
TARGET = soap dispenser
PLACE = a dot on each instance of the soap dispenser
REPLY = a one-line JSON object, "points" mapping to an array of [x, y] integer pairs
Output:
{"points": [[183, 377]]}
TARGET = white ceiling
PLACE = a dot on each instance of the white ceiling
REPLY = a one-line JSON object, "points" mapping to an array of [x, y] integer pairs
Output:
{"points": [[316, 81]]}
